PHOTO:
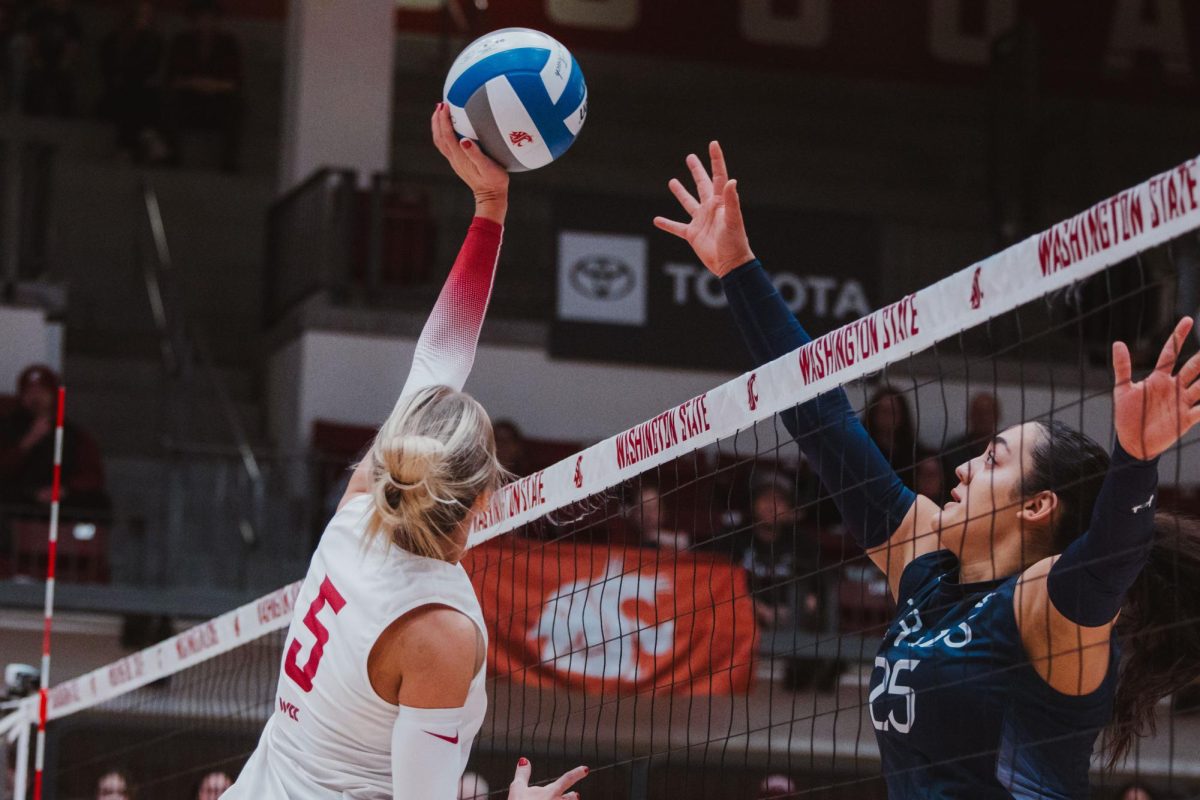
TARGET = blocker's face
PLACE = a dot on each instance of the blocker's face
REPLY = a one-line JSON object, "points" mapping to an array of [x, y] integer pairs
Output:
{"points": [[985, 504]]}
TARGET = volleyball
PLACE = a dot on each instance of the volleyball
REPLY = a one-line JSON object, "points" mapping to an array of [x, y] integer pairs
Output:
{"points": [[520, 94]]}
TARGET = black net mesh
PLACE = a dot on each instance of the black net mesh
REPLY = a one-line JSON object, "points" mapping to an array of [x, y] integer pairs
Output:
{"points": [[709, 628], [164, 738]]}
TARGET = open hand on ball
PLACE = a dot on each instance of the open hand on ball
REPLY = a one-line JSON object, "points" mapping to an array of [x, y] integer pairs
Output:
{"points": [[487, 180]]}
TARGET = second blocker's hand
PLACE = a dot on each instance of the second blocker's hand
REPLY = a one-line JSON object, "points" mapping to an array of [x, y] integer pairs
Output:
{"points": [[486, 179], [716, 231], [520, 789], [1152, 414]]}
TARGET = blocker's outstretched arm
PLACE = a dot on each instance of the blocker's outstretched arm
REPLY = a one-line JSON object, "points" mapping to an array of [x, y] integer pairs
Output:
{"points": [[883, 515], [1067, 605]]}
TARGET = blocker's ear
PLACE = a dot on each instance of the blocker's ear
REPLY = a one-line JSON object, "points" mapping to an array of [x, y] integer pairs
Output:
{"points": [[1039, 509]]}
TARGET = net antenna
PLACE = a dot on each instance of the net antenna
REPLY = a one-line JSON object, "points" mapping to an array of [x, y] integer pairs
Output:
{"points": [[48, 610]]}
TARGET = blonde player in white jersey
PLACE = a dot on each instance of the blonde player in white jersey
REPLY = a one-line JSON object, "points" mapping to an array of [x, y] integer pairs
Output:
{"points": [[381, 691]]}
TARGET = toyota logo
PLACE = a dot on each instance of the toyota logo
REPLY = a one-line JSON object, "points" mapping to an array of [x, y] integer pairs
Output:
{"points": [[602, 278]]}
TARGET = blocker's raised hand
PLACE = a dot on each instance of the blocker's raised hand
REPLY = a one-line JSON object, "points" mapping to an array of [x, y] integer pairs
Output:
{"points": [[520, 789], [1152, 414], [716, 231], [487, 180]]}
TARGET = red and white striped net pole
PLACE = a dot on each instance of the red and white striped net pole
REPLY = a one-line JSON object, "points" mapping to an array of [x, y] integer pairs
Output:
{"points": [[52, 555]]}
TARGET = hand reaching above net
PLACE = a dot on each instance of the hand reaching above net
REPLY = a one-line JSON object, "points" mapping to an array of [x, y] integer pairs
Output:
{"points": [[716, 231], [1152, 414]]}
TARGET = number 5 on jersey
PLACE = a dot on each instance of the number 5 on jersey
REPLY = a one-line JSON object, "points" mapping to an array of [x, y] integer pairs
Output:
{"points": [[303, 676]]}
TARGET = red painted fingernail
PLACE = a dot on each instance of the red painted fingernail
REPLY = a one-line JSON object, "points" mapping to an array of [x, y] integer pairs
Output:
{"points": [[466, 144], [523, 762], [586, 770]]}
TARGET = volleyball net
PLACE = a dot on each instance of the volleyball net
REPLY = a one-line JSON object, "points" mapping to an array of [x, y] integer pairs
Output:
{"points": [[678, 605]]}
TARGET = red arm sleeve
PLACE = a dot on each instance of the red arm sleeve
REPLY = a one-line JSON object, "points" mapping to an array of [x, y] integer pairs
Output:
{"points": [[446, 349]]}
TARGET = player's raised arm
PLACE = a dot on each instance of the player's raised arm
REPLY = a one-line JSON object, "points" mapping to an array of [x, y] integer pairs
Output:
{"points": [[1067, 604], [882, 514], [446, 348]]}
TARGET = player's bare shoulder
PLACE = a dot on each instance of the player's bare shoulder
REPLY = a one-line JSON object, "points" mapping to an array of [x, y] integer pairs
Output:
{"points": [[427, 656]]}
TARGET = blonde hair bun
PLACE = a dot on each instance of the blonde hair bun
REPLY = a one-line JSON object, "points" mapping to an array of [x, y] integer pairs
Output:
{"points": [[432, 459], [416, 457]]}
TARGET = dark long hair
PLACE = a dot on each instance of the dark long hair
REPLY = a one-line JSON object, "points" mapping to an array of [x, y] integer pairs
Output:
{"points": [[1158, 627], [1073, 467], [1157, 624]]}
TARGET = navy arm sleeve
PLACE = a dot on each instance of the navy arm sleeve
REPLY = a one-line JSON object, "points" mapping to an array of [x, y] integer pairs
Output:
{"points": [[1089, 581], [869, 494]]}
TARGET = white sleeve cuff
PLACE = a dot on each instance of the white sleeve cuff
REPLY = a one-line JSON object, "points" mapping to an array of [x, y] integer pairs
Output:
{"points": [[427, 753]]}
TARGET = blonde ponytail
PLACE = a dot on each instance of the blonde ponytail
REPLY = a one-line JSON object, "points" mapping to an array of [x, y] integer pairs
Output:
{"points": [[433, 457]]}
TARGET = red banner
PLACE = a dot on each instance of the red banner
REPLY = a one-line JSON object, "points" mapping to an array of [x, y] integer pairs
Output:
{"points": [[608, 619]]}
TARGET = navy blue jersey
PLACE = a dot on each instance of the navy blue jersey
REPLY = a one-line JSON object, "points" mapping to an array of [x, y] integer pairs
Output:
{"points": [[958, 710]]}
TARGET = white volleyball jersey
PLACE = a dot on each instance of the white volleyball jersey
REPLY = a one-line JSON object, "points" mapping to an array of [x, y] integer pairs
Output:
{"points": [[330, 734]]}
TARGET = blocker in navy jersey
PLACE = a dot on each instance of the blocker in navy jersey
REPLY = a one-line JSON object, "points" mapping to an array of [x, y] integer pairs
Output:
{"points": [[953, 693], [520, 94]]}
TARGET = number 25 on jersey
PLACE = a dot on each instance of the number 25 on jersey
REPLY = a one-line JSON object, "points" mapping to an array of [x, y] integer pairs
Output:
{"points": [[891, 685], [303, 676]]}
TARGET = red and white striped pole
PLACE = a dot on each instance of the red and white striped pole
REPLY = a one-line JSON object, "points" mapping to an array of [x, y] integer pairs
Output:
{"points": [[52, 555]]}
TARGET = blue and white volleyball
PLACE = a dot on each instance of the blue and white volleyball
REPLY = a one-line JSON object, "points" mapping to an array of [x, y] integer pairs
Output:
{"points": [[520, 94]]}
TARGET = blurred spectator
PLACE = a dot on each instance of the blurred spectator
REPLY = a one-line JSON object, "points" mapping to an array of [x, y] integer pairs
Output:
{"points": [[204, 79], [1134, 791], [929, 478], [53, 37], [472, 786], [645, 519], [27, 452], [212, 786], [783, 561], [983, 422], [774, 786], [770, 557], [890, 423], [130, 60], [511, 449], [114, 785]]}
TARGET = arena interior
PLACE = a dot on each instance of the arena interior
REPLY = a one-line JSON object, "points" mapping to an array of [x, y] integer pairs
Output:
{"points": [[223, 227]]}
